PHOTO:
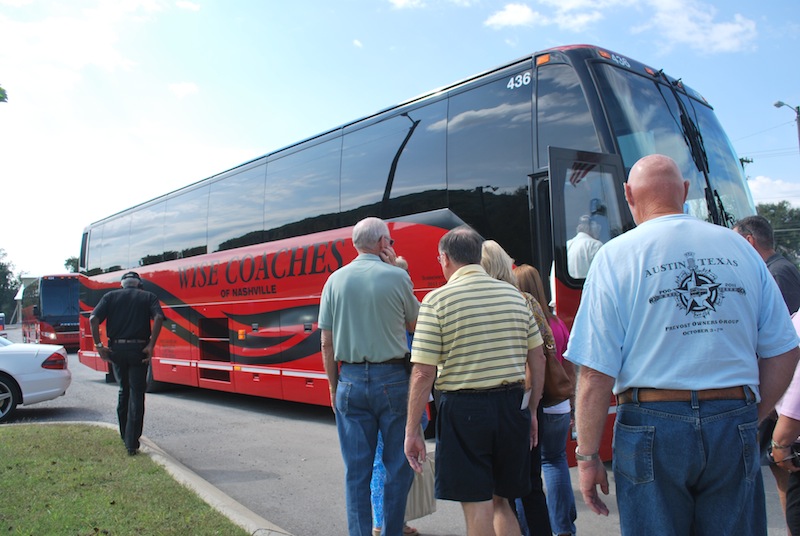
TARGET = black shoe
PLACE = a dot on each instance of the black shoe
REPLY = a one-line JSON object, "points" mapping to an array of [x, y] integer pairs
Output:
{"points": [[133, 452]]}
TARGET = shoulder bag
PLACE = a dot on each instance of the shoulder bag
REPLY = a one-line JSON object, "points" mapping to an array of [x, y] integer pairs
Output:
{"points": [[558, 386]]}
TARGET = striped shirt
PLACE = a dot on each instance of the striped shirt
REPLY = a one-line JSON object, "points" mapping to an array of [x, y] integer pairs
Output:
{"points": [[477, 330]]}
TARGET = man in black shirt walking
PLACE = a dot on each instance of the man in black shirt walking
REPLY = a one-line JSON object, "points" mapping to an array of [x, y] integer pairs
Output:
{"points": [[127, 313]]}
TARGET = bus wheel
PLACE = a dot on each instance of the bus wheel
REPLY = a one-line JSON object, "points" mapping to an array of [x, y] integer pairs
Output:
{"points": [[9, 397], [153, 386]]}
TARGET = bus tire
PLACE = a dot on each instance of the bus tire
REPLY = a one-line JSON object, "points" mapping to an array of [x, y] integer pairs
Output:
{"points": [[153, 386], [10, 396]]}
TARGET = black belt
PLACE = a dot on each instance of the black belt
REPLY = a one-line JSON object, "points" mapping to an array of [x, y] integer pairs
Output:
{"points": [[396, 361], [499, 388], [129, 341], [681, 395]]}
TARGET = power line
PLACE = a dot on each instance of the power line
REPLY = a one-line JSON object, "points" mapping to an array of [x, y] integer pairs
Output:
{"points": [[765, 130]]}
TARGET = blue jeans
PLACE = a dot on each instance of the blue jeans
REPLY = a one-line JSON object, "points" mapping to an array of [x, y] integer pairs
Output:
{"points": [[371, 398], [553, 431], [688, 468]]}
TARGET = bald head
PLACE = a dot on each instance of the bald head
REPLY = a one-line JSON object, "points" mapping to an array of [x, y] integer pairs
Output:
{"points": [[655, 188]]}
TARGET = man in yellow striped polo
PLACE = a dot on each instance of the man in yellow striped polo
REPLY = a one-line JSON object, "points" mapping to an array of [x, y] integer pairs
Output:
{"points": [[480, 335]]}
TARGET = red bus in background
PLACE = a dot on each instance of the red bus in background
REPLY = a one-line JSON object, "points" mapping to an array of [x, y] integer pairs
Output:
{"points": [[522, 153], [50, 306]]}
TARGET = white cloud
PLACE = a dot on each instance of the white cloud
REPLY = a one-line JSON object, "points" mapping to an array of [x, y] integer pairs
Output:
{"points": [[684, 22], [411, 4], [768, 190], [357, 43], [182, 89], [675, 22], [185, 4], [514, 15], [407, 4]]}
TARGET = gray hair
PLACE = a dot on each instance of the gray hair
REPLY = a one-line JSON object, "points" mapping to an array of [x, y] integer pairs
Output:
{"points": [[131, 282], [462, 245], [368, 232]]}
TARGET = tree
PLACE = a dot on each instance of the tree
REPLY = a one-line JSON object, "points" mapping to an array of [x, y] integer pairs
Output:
{"points": [[71, 264], [785, 221], [9, 284], [3, 95]]}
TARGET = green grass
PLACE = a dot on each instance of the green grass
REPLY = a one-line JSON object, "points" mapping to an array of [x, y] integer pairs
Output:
{"points": [[79, 480]]}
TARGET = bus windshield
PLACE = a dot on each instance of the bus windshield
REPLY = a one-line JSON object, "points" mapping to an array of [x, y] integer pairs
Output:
{"points": [[645, 118], [59, 299]]}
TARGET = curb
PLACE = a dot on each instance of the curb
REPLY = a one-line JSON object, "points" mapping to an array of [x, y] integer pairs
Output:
{"points": [[233, 510]]}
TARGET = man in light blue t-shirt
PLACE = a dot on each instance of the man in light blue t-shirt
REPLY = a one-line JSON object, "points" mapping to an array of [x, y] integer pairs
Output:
{"points": [[681, 320]]}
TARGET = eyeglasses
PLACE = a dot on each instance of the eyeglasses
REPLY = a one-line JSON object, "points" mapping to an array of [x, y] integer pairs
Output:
{"points": [[391, 241]]}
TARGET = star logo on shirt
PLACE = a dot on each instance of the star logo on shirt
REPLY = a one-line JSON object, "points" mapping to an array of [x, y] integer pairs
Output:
{"points": [[698, 292]]}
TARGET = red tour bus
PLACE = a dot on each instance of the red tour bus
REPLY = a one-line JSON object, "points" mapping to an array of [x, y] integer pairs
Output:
{"points": [[50, 310], [520, 153]]}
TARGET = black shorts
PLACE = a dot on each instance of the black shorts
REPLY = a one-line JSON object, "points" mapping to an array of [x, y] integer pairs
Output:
{"points": [[483, 446]]}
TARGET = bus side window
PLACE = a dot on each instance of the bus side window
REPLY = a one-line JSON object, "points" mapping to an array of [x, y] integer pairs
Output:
{"points": [[236, 209], [114, 246], [302, 195], [186, 224], [395, 166], [489, 158], [147, 235]]}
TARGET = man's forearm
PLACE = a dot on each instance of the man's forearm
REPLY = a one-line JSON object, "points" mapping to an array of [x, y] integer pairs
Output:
{"points": [[774, 376], [158, 321], [328, 360], [422, 378], [592, 400]]}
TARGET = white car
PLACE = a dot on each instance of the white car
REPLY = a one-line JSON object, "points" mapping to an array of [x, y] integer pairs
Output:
{"points": [[31, 373]]}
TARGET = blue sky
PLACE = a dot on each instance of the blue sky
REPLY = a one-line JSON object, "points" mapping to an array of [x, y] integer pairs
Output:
{"points": [[114, 102]]}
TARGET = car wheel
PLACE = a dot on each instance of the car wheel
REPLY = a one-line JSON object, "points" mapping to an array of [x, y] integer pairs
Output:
{"points": [[9, 396]]}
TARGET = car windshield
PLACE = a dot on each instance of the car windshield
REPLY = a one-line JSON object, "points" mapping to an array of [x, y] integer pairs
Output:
{"points": [[646, 118], [5, 342]]}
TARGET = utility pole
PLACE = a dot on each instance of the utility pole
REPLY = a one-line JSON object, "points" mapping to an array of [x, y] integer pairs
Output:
{"points": [[796, 110]]}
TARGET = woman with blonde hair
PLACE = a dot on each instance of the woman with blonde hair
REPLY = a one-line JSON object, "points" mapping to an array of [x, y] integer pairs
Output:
{"points": [[555, 423], [500, 265]]}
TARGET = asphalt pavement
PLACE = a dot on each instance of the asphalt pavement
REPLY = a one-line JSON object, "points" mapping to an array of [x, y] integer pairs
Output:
{"points": [[448, 514]]}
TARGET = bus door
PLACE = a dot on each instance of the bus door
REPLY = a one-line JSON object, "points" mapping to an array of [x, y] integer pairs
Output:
{"points": [[586, 196], [587, 199]]}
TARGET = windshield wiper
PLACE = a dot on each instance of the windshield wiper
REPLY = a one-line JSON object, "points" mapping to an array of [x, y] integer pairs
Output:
{"points": [[694, 140]]}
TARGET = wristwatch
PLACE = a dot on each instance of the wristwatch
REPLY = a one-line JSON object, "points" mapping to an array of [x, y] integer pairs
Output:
{"points": [[586, 457], [98, 345]]}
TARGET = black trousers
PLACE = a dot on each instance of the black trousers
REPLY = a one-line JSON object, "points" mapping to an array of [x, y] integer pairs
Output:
{"points": [[535, 504], [793, 504], [131, 374]]}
